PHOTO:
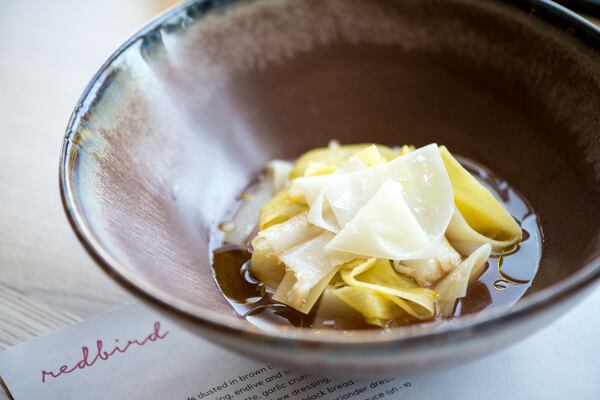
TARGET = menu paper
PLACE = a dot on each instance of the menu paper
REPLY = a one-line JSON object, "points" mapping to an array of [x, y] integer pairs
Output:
{"points": [[133, 353]]}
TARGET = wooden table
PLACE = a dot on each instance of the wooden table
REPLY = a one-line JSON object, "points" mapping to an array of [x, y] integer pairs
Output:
{"points": [[48, 52]]}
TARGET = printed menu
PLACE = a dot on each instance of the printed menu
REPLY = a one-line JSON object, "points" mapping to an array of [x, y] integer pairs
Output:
{"points": [[135, 353]]}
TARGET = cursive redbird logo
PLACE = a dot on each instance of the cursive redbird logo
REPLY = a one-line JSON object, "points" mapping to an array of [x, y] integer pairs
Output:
{"points": [[89, 358]]}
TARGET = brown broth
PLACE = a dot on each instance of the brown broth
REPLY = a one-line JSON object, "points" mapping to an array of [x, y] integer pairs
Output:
{"points": [[504, 282]]}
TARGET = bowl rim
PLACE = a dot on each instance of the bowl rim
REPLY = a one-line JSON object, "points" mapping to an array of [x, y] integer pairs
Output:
{"points": [[465, 326]]}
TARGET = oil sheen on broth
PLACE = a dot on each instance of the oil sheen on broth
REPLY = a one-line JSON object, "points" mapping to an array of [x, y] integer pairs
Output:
{"points": [[504, 282]]}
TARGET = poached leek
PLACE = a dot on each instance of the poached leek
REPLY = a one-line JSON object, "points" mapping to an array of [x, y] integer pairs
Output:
{"points": [[374, 307], [479, 217], [309, 265], [455, 284], [378, 275], [279, 209], [430, 270], [335, 156], [350, 217], [269, 244]]}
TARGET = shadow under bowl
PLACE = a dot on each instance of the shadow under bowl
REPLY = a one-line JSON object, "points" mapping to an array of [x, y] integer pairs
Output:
{"points": [[182, 117]]}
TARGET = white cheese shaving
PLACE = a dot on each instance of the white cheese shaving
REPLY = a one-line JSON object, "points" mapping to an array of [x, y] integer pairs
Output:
{"points": [[409, 216], [383, 228]]}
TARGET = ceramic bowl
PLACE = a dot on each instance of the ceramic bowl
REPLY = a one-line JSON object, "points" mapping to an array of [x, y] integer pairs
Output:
{"points": [[181, 118]]}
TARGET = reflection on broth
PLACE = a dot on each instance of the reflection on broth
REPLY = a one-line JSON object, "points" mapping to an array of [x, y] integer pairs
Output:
{"points": [[362, 283]]}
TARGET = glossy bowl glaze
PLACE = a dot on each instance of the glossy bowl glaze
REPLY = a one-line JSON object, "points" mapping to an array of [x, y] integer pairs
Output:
{"points": [[180, 119]]}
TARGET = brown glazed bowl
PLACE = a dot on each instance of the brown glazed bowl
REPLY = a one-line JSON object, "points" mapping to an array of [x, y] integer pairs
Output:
{"points": [[182, 117]]}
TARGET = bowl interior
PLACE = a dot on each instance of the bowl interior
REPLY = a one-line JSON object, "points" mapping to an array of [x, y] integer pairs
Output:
{"points": [[184, 116]]}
